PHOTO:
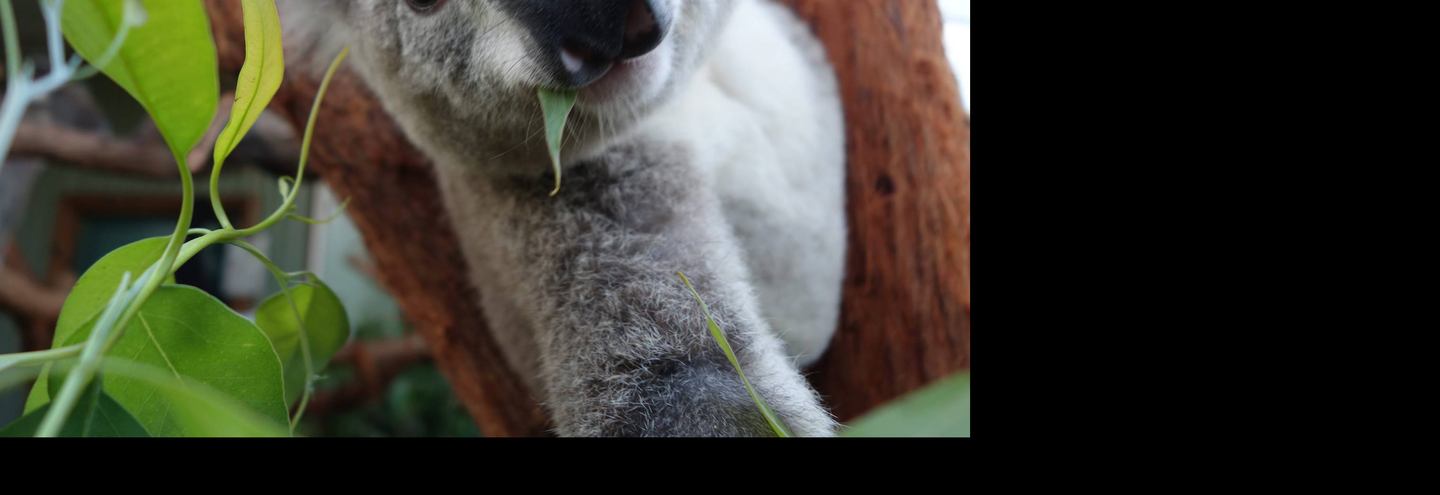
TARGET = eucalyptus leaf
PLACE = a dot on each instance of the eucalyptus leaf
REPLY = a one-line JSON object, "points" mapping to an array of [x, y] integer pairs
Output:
{"points": [[325, 323], [556, 106], [93, 290], [91, 294], [168, 64], [260, 77], [718, 334], [96, 414], [940, 410], [196, 410], [39, 392], [194, 338]]}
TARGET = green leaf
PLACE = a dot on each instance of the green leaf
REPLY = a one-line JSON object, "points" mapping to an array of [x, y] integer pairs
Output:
{"points": [[719, 335], [168, 64], [197, 410], [40, 392], [95, 415], [556, 105], [194, 338], [91, 294], [260, 77], [325, 323], [940, 410]]}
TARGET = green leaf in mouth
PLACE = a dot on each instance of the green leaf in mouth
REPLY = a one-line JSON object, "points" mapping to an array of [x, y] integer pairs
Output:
{"points": [[557, 106]]}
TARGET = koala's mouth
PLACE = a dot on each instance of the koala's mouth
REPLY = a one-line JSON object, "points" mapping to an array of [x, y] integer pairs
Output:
{"points": [[627, 82]]}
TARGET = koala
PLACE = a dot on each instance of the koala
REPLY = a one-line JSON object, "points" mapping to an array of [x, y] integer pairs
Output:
{"points": [[707, 139]]}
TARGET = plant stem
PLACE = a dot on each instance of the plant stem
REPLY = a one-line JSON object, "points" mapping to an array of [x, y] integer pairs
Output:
{"points": [[51, 10], [719, 335], [89, 359], [39, 357], [101, 341], [12, 110], [283, 279], [22, 88], [294, 191], [12, 39]]}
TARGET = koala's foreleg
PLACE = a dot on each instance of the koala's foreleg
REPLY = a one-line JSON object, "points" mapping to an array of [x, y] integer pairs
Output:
{"points": [[624, 347]]}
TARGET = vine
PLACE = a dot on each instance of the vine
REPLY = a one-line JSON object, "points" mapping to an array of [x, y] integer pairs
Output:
{"points": [[243, 376]]}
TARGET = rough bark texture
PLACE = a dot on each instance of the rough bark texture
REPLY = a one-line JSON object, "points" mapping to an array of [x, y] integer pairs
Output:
{"points": [[907, 302], [906, 320]]}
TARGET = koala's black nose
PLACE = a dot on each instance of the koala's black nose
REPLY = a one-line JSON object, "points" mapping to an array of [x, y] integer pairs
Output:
{"points": [[590, 36]]}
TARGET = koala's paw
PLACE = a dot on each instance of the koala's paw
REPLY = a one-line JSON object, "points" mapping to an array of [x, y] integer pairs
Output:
{"points": [[682, 400]]}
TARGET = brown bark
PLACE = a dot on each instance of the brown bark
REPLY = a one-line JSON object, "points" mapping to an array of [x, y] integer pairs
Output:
{"points": [[35, 304], [907, 301], [95, 151], [145, 154], [29, 298], [906, 318]]}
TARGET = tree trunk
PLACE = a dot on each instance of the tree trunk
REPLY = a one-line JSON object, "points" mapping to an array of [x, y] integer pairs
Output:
{"points": [[906, 318], [907, 301]]}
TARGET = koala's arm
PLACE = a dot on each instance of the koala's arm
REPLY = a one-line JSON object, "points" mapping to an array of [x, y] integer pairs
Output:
{"points": [[625, 350]]}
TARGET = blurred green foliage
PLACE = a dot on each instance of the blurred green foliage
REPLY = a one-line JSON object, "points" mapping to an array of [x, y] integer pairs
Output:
{"points": [[417, 404]]}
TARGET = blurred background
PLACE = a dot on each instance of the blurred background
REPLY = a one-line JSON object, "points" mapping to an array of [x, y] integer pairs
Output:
{"points": [[957, 42], [89, 174]]}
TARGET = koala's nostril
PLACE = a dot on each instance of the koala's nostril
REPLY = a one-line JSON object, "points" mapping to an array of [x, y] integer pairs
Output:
{"points": [[586, 62], [644, 29], [591, 36], [572, 60], [578, 56]]}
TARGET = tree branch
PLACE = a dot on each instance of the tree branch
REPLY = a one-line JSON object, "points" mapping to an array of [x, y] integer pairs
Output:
{"points": [[906, 317], [35, 304], [271, 144], [27, 297], [95, 151]]}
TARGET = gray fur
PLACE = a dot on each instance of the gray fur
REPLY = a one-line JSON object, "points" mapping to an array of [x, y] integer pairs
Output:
{"points": [[581, 290]]}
